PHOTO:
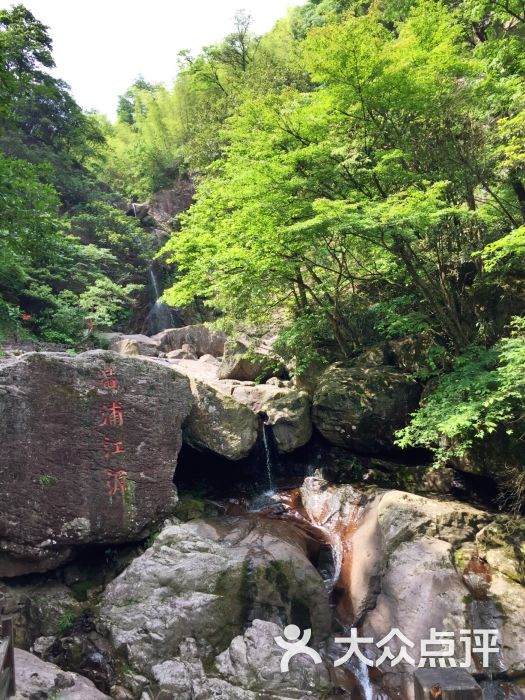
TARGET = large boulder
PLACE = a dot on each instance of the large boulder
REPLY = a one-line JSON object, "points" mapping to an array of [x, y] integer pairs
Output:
{"points": [[219, 424], [200, 338], [428, 551], [196, 599], [253, 660], [133, 345], [250, 359], [37, 679], [249, 670], [411, 564], [285, 409], [361, 408], [90, 446]]}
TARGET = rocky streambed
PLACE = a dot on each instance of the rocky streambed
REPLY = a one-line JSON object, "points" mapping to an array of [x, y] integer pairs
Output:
{"points": [[121, 588]]}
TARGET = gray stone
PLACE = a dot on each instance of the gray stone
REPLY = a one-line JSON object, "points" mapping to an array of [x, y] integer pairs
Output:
{"points": [[287, 411], [35, 676], [133, 345], [203, 339], [38, 610], [201, 580], [54, 475], [250, 359], [361, 409], [219, 424]]}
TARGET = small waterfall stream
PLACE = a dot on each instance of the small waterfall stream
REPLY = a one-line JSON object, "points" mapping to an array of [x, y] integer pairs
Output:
{"points": [[266, 433], [331, 523], [153, 282], [160, 316]]}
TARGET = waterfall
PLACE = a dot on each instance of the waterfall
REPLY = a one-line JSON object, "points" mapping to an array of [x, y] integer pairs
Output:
{"points": [[266, 431], [360, 671], [160, 316], [154, 283]]}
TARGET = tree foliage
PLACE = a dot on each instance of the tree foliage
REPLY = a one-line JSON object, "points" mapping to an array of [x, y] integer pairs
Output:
{"points": [[359, 173]]}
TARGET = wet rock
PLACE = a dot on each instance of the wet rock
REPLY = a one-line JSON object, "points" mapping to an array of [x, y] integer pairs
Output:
{"points": [[36, 678], [219, 424], [83, 648], [253, 661], [38, 610], [200, 337], [207, 580], [362, 408], [220, 411], [412, 569], [54, 474], [250, 359], [501, 546], [287, 411], [140, 210]]}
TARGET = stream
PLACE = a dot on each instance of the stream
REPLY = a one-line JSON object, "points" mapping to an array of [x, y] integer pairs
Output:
{"points": [[323, 532], [312, 513]]}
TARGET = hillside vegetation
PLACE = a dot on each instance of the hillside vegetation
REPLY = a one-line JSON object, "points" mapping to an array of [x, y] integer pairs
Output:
{"points": [[359, 175]]}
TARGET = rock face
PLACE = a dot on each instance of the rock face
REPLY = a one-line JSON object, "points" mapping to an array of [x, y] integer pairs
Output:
{"points": [[416, 564], [37, 679], [90, 446], [224, 418], [362, 408], [219, 424], [37, 609], [134, 345], [249, 670], [166, 204], [199, 338], [195, 600], [248, 359], [287, 411]]}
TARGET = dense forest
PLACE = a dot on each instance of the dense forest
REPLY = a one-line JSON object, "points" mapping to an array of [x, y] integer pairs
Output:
{"points": [[359, 175]]}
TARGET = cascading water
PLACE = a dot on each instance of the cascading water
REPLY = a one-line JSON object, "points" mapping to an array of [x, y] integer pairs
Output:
{"points": [[161, 315], [155, 287], [266, 431]]}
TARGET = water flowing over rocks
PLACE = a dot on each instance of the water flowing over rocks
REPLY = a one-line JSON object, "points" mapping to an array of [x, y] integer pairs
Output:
{"points": [[224, 418], [356, 406], [406, 563], [54, 467], [194, 615]]}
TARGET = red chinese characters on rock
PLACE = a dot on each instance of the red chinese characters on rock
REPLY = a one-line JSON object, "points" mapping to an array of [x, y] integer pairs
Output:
{"points": [[112, 416], [116, 481]]}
